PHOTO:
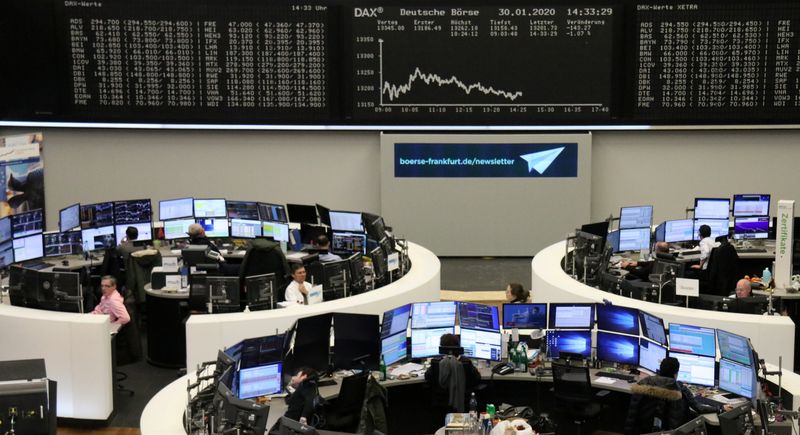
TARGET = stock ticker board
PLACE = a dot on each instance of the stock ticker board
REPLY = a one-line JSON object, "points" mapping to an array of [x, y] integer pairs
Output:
{"points": [[482, 64]]}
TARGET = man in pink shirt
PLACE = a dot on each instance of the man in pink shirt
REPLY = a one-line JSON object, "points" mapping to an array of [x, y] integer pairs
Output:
{"points": [[111, 302]]}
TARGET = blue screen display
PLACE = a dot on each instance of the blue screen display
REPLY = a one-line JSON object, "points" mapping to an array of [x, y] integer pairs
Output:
{"points": [[478, 316], [734, 347], [636, 217], [692, 339], [395, 320], [650, 355], [525, 316], [433, 314], [736, 378], [394, 348], [695, 369], [653, 328], [615, 348], [569, 341], [618, 319]]}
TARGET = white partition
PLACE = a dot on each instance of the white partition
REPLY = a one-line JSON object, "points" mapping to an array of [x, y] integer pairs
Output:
{"points": [[206, 334], [772, 336], [77, 352]]}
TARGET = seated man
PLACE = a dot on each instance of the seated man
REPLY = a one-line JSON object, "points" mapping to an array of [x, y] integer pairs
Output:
{"points": [[297, 290], [111, 302], [300, 404], [126, 246], [660, 402], [452, 376], [642, 269], [743, 289], [324, 246], [197, 236]]}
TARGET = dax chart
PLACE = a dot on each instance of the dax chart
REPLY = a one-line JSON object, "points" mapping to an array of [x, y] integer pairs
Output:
{"points": [[482, 64]]}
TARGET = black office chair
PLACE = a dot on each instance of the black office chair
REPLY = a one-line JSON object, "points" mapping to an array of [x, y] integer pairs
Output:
{"points": [[573, 394], [723, 270], [264, 256], [344, 414], [128, 343]]}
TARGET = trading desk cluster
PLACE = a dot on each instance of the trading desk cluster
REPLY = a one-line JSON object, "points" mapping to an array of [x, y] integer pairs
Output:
{"points": [[624, 338], [598, 250], [86, 228]]}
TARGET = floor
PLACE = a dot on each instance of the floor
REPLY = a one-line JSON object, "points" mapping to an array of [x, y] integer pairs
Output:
{"points": [[465, 274]]}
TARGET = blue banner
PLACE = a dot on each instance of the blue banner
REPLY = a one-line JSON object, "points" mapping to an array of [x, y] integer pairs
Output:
{"points": [[486, 160]]}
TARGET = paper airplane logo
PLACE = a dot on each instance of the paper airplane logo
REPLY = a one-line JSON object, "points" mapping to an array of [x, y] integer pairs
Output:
{"points": [[542, 160]]}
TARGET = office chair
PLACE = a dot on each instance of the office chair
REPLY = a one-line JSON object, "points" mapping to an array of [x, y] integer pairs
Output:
{"points": [[264, 256], [128, 344], [138, 268], [723, 270], [573, 393], [344, 413]]}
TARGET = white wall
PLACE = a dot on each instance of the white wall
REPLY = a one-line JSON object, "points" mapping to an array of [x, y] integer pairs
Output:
{"points": [[342, 169]]}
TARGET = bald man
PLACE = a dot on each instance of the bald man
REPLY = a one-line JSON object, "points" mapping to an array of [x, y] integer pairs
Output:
{"points": [[661, 247], [743, 288], [197, 236]]}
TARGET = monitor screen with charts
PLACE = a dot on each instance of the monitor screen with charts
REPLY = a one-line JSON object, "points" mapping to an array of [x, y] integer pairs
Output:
{"points": [[177, 229], [277, 231], [97, 215], [616, 318], [180, 208], [210, 208], [734, 347], [433, 314], [737, 378], [69, 218], [697, 340], [94, 239], [636, 217], [751, 205], [272, 212], [478, 316], [133, 211], [617, 348], [394, 348], [245, 229], [571, 316], [634, 239], [395, 321], [346, 221], [481, 344], [751, 227], [145, 230], [260, 381], [347, 243], [425, 342], [575, 342], [681, 230], [696, 369], [27, 223], [525, 316], [242, 210], [28, 248], [650, 355], [712, 208], [214, 227], [67, 243], [719, 227], [653, 327]]}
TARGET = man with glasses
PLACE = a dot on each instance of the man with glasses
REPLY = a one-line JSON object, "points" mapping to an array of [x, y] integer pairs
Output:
{"points": [[111, 302]]}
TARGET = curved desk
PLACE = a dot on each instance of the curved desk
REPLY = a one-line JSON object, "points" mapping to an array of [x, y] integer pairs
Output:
{"points": [[206, 334], [166, 333], [77, 353], [772, 336]]}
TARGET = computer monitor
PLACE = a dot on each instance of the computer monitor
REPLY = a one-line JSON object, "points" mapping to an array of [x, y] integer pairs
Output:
{"points": [[214, 227], [379, 264], [651, 355], [261, 381], [356, 277], [6, 254], [719, 227], [425, 342], [693, 427], [634, 239], [272, 212], [5, 229], [180, 208], [26, 223], [347, 243], [712, 208], [525, 316], [750, 205], [616, 318], [394, 348], [23, 286], [237, 415], [28, 248], [571, 316], [177, 229], [695, 369], [94, 239], [613, 240], [433, 314], [653, 327], [599, 229], [145, 230], [334, 275], [312, 342], [575, 342], [681, 230], [277, 231], [302, 214], [262, 350], [133, 211], [751, 227], [66, 243], [640, 216], [97, 215], [224, 291], [697, 340], [617, 348], [210, 208], [60, 291], [395, 321], [247, 210], [734, 347], [261, 291], [245, 229], [235, 351], [69, 218], [356, 341], [374, 226], [346, 221], [668, 268], [478, 316], [481, 344], [737, 378], [658, 234], [737, 421]]}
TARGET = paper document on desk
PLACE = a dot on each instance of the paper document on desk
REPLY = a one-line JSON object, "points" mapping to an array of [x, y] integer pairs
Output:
{"points": [[604, 381], [296, 256], [406, 369]]}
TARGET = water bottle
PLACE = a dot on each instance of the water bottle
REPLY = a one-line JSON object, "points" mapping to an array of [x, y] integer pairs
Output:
{"points": [[473, 408], [766, 277], [383, 368], [184, 277]]}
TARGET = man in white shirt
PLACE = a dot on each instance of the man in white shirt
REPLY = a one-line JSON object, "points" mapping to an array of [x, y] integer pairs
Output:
{"points": [[706, 245], [297, 290]]}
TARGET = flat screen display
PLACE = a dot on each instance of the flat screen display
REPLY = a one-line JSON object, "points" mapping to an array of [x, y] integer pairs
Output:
{"points": [[302, 214], [634, 239], [681, 230], [145, 231], [571, 316], [696, 340], [245, 229], [214, 227], [177, 229], [27, 223], [94, 239], [719, 227], [6, 254], [712, 208], [481, 344], [579, 342], [346, 242], [242, 210], [525, 316], [133, 211], [734, 347], [651, 355], [394, 348], [636, 217], [67, 243], [751, 227], [28, 247], [97, 215], [69, 218], [5, 229], [272, 212], [478, 316], [260, 381], [176, 208], [395, 321], [751, 205], [346, 221], [425, 342], [615, 318], [737, 378], [433, 314], [210, 208], [617, 348], [653, 328], [696, 369], [275, 230]]}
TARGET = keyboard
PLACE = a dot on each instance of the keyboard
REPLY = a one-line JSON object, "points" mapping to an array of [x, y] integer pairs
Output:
{"points": [[39, 265], [616, 375], [751, 250], [707, 401], [688, 253], [326, 382]]}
